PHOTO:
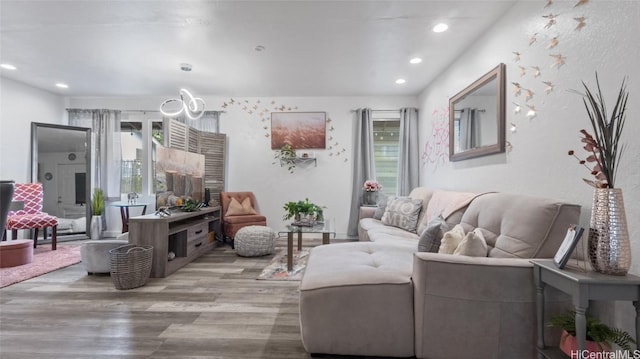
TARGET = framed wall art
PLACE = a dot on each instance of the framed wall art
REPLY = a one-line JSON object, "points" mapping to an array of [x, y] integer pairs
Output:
{"points": [[299, 129]]}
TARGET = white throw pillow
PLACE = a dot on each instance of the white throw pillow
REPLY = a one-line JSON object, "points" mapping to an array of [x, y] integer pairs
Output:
{"points": [[473, 245], [451, 240]]}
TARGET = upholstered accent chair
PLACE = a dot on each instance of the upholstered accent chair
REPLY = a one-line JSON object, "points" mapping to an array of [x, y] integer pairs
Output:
{"points": [[31, 216], [239, 209]]}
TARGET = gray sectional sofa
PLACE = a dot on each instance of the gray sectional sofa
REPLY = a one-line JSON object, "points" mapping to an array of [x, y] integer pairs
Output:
{"points": [[380, 297]]}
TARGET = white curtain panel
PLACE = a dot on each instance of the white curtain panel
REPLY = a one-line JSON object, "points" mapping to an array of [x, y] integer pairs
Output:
{"points": [[106, 153], [209, 122]]}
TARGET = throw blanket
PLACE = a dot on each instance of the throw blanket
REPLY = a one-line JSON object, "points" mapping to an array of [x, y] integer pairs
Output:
{"points": [[447, 202]]}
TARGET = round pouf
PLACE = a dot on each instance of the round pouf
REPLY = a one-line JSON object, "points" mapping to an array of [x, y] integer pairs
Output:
{"points": [[254, 241], [16, 253], [95, 254]]}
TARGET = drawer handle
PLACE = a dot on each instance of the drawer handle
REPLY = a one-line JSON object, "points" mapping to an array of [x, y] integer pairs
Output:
{"points": [[198, 245], [198, 232]]}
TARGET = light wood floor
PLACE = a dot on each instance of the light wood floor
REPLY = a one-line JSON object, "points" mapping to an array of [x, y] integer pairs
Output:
{"points": [[211, 308]]}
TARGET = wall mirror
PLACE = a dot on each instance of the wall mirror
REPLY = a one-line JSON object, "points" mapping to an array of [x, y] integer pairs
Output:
{"points": [[477, 117], [61, 161]]}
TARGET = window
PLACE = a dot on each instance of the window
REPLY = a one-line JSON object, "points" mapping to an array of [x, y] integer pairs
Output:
{"points": [[138, 131], [386, 149]]}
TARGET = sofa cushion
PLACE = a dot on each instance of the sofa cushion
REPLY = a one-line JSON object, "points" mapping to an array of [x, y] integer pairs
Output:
{"points": [[402, 212], [386, 234], [451, 240], [357, 299], [519, 226], [473, 245], [431, 236], [423, 194]]}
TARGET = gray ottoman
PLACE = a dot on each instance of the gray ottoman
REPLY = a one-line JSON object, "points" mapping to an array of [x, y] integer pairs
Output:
{"points": [[254, 241], [95, 254]]}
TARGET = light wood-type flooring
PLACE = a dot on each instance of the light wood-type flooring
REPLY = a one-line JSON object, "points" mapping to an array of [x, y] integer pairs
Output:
{"points": [[212, 308]]}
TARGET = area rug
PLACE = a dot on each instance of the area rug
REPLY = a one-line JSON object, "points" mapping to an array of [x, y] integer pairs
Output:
{"points": [[44, 261], [277, 269]]}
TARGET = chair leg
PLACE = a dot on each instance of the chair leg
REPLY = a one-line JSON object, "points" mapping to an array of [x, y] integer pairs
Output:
{"points": [[35, 237], [14, 234], [54, 237], [4, 235]]}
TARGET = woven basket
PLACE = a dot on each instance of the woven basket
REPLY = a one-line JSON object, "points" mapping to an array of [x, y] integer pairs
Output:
{"points": [[130, 265]]}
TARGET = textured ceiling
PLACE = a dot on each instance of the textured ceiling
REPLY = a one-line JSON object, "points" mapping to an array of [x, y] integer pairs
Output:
{"points": [[313, 48]]}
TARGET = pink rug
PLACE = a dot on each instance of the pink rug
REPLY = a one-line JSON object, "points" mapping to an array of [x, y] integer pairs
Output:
{"points": [[44, 261]]}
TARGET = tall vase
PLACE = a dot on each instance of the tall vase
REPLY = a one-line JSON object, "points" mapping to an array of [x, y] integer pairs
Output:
{"points": [[370, 197], [96, 227], [609, 246]]}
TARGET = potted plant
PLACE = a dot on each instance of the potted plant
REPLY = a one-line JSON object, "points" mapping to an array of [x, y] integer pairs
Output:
{"points": [[296, 210], [599, 335], [286, 156], [97, 208]]}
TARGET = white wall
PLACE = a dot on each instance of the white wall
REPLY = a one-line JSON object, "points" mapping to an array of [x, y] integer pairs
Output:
{"points": [[20, 105], [250, 158], [538, 163]]}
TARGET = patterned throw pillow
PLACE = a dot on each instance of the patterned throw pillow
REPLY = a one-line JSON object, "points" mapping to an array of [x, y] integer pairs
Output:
{"points": [[402, 212], [432, 235]]}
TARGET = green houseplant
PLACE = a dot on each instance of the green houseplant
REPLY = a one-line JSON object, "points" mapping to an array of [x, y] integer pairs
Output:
{"points": [[97, 202], [97, 209], [286, 156], [297, 209], [599, 333]]}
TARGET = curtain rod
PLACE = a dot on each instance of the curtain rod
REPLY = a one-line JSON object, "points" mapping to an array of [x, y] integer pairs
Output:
{"points": [[477, 109], [398, 110], [154, 111]]}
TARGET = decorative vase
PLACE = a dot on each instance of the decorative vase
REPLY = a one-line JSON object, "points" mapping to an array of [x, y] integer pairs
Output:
{"points": [[609, 246], [370, 197], [569, 346], [96, 227]]}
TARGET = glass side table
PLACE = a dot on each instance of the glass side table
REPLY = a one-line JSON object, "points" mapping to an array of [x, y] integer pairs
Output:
{"points": [[291, 229]]}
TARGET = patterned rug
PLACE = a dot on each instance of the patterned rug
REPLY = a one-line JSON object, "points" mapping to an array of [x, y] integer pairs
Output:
{"points": [[44, 261], [277, 269]]}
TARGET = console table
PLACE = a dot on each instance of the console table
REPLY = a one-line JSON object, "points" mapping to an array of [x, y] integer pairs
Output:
{"points": [[187, 235], [582, 287]]}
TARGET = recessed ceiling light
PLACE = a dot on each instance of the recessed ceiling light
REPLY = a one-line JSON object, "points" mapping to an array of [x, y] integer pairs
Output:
{"points": [[62, 86], [415, 60], [8, 66], [185, 67], [400, 81], [441, 27], [259, 48]]}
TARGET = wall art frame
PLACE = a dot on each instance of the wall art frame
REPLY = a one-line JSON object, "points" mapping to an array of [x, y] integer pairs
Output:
{"points": [[302, 130]]}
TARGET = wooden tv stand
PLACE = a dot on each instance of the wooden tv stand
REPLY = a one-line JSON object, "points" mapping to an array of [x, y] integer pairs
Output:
{"points": [[187, 234]]}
